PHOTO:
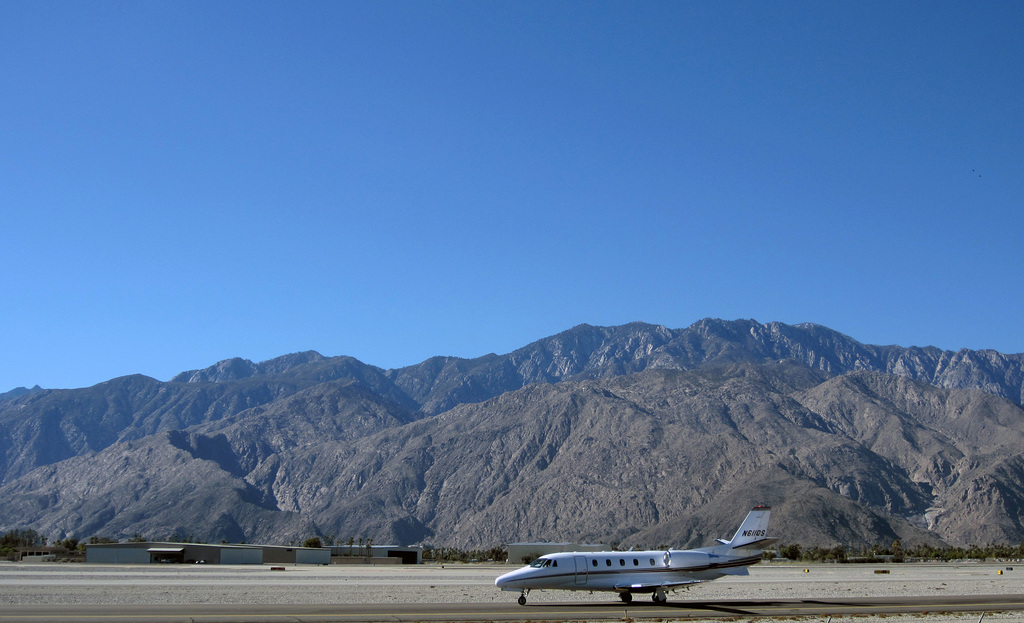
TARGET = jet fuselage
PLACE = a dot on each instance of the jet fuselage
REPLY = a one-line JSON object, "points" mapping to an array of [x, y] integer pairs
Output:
{"points": [[651, 571]]}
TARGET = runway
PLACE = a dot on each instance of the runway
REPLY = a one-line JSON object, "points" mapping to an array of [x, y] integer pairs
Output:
{"points": [[225, 594], [598, 611]]}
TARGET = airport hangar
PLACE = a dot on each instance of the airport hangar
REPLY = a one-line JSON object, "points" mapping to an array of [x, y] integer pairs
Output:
{"points": [[153, 552], [526, 553]]}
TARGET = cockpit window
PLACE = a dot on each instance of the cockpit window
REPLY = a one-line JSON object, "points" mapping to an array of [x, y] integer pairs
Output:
{"points": [[540, 562]]}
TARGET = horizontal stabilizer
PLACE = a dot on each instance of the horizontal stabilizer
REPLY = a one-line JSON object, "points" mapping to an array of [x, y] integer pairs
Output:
{"points": [[759, 544]]}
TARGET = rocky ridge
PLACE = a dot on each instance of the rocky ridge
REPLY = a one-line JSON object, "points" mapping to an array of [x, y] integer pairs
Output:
{"points": [[636, 434]]}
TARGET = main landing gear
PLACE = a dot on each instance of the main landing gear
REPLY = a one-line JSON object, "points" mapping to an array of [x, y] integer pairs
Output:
{"points": [[659, 596]]}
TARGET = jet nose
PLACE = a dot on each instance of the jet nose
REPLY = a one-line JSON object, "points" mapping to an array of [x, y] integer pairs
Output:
{"points": [[506, 579]]}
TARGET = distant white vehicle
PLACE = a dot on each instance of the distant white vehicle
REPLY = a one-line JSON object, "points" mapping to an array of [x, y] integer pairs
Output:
{"points": [[653, 571]]}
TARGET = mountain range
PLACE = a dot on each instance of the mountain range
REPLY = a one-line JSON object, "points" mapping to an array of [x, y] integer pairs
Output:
{"points": [[635, 434]]}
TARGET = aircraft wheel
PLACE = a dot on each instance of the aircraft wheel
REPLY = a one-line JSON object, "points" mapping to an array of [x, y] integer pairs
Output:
{"points": [[659, 598], [522, 600], [626, 597]]}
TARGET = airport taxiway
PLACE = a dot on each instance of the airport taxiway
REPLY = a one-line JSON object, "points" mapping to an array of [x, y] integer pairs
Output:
{"points": [[889, 593], [950, 608]]}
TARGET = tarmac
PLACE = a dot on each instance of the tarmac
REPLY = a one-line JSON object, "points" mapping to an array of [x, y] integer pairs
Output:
{"points": [[28, 588]]}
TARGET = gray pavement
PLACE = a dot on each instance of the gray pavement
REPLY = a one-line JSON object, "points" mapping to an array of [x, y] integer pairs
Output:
{"points": [[466, 592]]}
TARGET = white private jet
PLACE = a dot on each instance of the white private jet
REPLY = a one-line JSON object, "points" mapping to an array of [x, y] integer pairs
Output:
{"points": [[653, 571]]}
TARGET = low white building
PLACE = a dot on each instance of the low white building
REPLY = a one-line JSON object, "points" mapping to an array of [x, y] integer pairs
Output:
{"points": [[524, 553], [376, 554], [151, 552]]}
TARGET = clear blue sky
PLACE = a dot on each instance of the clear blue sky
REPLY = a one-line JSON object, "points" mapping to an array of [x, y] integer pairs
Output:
{"points": [[183, 182]]}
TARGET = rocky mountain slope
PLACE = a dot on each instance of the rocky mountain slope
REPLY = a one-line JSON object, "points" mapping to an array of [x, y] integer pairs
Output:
{"points": [[636, 434]]}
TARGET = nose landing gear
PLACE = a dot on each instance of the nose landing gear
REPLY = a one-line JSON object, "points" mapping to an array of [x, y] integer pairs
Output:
{"points": [[522, 597]]}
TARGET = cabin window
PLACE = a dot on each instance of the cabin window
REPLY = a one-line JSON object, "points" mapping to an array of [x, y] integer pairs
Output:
{"points": [[636, 563], [622, 562], [608, 562], [595, 562], [652, 562]]}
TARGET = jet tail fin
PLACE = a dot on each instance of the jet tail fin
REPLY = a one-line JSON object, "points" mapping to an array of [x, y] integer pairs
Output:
{"points": [[753, 532]]}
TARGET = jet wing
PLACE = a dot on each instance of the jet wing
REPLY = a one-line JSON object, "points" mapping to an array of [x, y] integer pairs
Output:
{"points": [[643, 587]]}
